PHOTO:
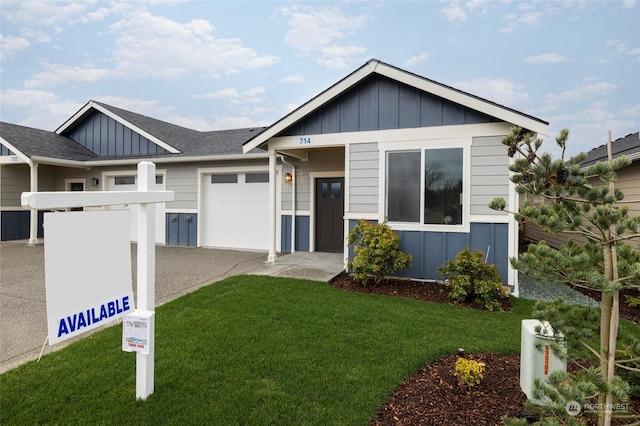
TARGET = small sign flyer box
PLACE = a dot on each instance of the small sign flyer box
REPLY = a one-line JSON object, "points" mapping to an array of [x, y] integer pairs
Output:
{"points": [[120, 302], [136, 332]]}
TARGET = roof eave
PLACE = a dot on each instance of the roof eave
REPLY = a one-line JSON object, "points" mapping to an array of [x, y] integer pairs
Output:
{"points": [[93, 105], [374, 66]]}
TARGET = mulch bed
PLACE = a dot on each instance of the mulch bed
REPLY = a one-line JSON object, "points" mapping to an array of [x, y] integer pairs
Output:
{"points": [[432, 396]]}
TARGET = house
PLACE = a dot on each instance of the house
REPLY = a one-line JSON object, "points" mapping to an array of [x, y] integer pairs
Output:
{"points": [[387, 144], [628, 181], [221, 192], [380, 144]]}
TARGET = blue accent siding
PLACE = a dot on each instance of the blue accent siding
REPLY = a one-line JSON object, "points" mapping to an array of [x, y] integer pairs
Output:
{"points": [[15, 225], [380, 103], [431, 250], [302, 233], [5, 151], [181, 229], [106, 137]]}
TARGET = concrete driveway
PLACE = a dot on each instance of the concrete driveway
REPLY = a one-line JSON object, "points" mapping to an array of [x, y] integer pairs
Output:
{"points": [[179, 270]]}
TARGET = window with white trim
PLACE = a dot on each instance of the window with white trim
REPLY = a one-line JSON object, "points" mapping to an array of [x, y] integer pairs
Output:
{"points": [[425, 186]]}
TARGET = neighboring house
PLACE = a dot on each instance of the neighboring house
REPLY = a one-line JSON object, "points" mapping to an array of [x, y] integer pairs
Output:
{"points": [[628, 181], [386, 144], [220, 193], [380, 144]]}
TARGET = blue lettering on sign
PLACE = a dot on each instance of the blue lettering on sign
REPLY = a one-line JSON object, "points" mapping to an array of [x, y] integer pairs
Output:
{"points": [[304, 141], [83, 319]]}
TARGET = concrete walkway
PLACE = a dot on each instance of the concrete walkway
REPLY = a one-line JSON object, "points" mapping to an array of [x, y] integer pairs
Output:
{"points": [[179, 270]]}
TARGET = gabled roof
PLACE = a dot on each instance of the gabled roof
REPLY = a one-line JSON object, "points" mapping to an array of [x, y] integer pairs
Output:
{"points": [[628, 145], [182, 143], [27, 142], [375, 66]]}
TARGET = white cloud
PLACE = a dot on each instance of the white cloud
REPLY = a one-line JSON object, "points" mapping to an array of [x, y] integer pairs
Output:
{"points": [[586, 91], [315, 31], [454, 12], [501, 91], [234, 122], [589, 127], [421, 57], [10, 45], [340, 57], [58, 74], [546, 58], [228, 93], [629, 4], [149, 45], [45, 110], [293, 78]]}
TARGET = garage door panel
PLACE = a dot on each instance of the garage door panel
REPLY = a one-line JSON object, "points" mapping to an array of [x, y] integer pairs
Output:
{"points": [[236, 214]]}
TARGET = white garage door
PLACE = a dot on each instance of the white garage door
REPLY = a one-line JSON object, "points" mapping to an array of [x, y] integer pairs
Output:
{"points": [[236, 210], [130, 183]]}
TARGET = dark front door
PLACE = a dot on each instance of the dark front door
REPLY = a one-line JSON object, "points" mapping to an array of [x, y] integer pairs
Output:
{"points": [[329, 214]]}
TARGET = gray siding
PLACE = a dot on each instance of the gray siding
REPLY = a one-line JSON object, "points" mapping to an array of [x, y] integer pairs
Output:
{"points": [[363, 178], [14, 180], [302, 233], [379, 103], [106, 137], [319, 161], [489, 174]]}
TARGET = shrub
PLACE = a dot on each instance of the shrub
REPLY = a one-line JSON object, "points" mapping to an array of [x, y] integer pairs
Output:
{"points": [[468, 372], [376, 251], [471, 279]]}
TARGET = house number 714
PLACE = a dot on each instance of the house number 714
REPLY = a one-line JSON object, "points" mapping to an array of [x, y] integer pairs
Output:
{"points": [[305, 141]]}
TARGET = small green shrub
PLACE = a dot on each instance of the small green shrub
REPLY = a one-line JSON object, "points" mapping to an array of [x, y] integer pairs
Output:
{"points": [[376, 251], [471, 279], [469, 372]]}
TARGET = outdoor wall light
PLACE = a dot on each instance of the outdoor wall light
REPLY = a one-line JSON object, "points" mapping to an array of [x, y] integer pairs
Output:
{"points": [[288, 178], [94, 181]]}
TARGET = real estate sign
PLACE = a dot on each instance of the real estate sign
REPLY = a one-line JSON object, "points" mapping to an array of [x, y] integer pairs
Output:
{"points": [[87, 270]]}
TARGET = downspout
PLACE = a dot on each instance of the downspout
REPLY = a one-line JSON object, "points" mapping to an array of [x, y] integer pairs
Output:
{"points": [[33, 213], [293, 204]]}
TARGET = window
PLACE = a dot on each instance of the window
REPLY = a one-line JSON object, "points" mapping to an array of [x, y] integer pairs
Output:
{"points": [[159, 179], [225, 178], [125, 180], [256, 178], [425, 186]]}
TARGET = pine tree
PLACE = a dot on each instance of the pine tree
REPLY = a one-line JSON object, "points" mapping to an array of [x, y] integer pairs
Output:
{"points": [[569, 202]]}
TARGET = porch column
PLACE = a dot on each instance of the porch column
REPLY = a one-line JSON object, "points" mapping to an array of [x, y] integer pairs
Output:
{"points": [[33, 213], [272, 205]]}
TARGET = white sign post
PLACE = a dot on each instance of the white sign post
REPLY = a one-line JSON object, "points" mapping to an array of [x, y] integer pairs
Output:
{"points": [[146, 198]]}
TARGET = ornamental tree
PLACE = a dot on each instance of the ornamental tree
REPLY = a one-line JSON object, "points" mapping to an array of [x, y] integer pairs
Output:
{"points": [[568, 201]]}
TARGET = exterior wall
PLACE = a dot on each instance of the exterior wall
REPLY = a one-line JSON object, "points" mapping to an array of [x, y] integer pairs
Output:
{"points": [[319, 161], [628, 182], [379, 103], [431, 250], [489, 174], [14, 180], [302, 233], [106, 137], [364, 171]]}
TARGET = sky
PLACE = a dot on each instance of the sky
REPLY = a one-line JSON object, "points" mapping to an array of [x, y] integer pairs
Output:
{"points": [[212, 65]]}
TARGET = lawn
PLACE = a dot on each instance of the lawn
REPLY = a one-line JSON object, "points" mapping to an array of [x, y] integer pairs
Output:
{"points": [[255, 350]]}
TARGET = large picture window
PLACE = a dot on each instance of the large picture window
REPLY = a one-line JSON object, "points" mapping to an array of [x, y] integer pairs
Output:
{"points": [[425, 186]]}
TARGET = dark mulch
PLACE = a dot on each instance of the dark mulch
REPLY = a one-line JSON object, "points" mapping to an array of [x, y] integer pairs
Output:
{"points": [[626, 310], [432, 396]]}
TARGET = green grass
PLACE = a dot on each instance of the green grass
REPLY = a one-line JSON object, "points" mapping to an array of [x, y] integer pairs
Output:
{"points": [[255, 350]]}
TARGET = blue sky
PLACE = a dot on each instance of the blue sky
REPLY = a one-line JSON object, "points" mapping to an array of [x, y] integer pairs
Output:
{"points": [[221, 65]]}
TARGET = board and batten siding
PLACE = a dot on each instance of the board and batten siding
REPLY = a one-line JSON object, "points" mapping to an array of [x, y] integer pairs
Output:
{"points": [[489, 174], [364, 170]]}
